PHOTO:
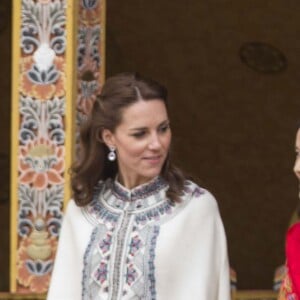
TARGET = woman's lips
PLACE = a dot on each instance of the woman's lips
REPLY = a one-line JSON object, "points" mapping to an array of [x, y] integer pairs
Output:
{"points": [[153, 159]]}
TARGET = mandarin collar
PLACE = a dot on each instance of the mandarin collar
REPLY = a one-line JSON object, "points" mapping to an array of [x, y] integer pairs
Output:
{"points": [[139, 198]]}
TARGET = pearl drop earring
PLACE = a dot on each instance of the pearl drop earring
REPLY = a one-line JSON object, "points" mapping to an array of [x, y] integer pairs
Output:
{"points": [[112, 154]]}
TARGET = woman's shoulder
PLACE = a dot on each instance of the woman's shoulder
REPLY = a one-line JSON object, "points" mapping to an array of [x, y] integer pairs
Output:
{"points": [[293, 244], [200, 196], [292, 254], [293, 233], [72, 209], [294, 228]]}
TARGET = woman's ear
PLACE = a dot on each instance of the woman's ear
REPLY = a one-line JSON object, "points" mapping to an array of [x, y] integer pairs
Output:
{"points": [[108, 138]]}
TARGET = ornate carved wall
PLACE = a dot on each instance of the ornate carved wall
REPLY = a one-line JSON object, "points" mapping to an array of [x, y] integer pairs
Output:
{"points": [[58, 67]]}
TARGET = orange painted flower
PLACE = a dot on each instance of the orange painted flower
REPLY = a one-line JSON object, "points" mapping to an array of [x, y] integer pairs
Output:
{"points": [[42, 85], [90, 15], [41, 162], [34, 274]]}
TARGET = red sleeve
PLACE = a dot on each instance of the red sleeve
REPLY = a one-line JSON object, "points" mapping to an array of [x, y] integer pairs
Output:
{"points": [[293, 256]]}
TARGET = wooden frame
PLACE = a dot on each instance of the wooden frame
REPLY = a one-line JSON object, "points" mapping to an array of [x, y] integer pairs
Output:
{"points": [[254, 295]]}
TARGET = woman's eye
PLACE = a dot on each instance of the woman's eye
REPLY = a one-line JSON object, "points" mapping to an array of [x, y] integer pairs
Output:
{"points": [[164, 128], [139, 134]]}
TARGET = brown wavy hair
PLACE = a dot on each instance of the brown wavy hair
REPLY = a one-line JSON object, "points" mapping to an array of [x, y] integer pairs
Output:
{"points": [[118, 93]]}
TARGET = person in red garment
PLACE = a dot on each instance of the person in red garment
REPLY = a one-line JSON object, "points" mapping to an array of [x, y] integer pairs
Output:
{"points": [[290, 289]]}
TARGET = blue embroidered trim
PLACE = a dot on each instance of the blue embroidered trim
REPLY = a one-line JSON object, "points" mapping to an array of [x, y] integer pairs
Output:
{"points": [[151, 275], [101, 272], [135, 245], [96, 208], [87, 265], [131, 275], [149, 189], [193, 189], [154, 213], [142, 192]]}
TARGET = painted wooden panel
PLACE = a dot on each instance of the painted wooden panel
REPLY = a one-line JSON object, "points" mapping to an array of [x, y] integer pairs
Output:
{"points": [[58, 67]]}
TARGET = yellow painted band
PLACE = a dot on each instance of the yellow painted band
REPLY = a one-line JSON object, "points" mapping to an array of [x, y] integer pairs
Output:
{"points": [[15, 120], [71, 92]]}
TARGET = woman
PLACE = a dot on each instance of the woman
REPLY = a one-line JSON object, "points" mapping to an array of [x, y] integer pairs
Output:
{"points": [[137, 229], [290, 289]]}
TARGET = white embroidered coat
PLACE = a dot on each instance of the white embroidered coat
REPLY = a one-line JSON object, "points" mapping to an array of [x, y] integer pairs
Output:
{"points": [[135, 244]]}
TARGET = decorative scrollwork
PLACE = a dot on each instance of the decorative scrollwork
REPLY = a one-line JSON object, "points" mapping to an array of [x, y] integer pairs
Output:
{"points": [[41, 23], [36, 206], [88, 46], [47, 115]]}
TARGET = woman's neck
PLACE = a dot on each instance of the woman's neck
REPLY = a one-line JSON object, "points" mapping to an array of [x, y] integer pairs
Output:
{"points": [[130, 182]]}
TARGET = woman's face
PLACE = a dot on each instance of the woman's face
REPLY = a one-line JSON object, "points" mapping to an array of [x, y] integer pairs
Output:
{"points": [[142, 141], [297, 162]]}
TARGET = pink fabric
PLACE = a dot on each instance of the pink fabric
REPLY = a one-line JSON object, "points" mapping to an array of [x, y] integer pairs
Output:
{"points": [[293, 256]]}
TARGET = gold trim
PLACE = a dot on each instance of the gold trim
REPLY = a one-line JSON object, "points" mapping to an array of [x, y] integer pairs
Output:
{"points": [[16, 52], [71, 92], [255, 295]]}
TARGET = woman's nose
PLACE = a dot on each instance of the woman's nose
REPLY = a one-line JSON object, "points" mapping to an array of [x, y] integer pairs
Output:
{"points": [[297, 167], [154, 142]]}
